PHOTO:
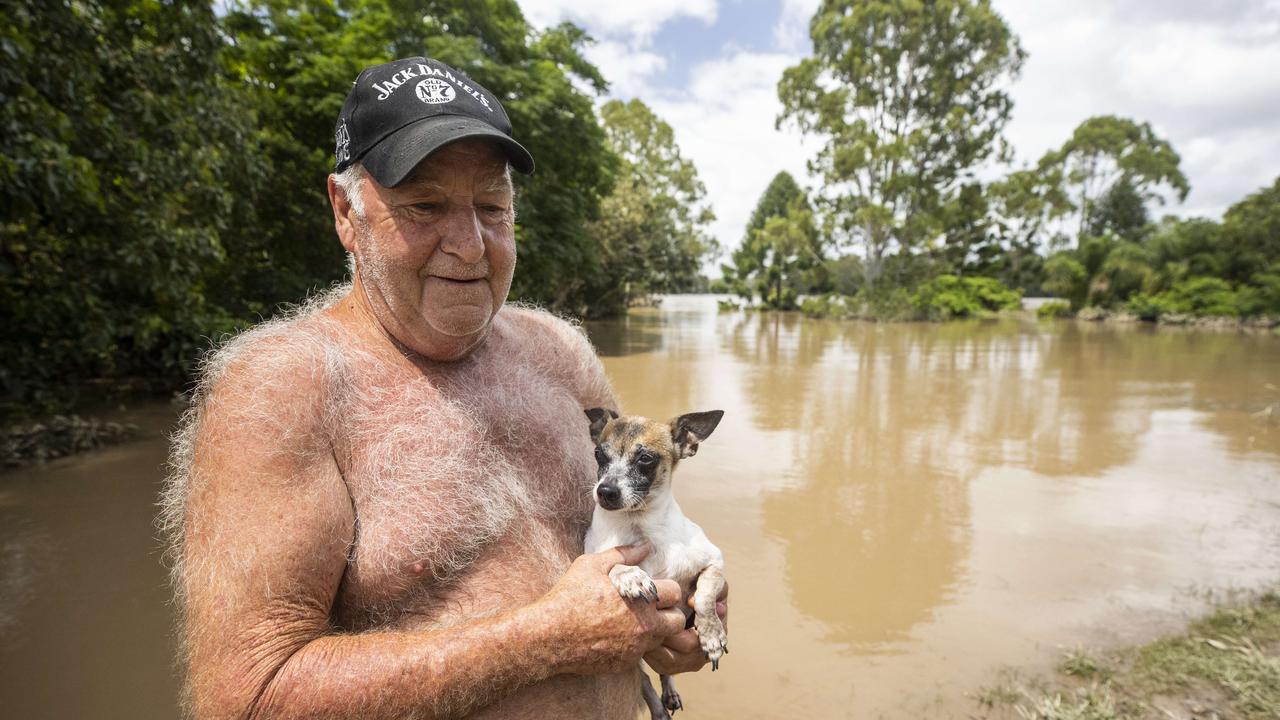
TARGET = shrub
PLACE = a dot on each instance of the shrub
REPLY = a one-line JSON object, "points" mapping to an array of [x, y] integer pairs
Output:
{"points": [[1148, 307], [993, 294], [1067, 278], [1054, 309], [948, 296], [1263, 296], [885, 304], [1203, 296], [827, 305]]}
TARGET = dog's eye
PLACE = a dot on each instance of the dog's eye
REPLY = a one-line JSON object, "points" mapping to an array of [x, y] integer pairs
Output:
{"points": [[601, 456], [646, 459]]}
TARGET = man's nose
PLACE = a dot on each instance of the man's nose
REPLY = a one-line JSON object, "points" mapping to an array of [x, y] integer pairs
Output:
{"points": [[462, 235]]}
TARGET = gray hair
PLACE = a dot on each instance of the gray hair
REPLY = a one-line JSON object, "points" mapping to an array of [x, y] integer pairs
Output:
{"points": [[351, 182]]}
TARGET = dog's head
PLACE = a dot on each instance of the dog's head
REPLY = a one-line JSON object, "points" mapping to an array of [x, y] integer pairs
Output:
{"points": [[637, 455]]}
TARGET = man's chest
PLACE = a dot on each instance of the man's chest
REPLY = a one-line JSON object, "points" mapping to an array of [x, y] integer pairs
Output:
{"points": [[442, 468]]}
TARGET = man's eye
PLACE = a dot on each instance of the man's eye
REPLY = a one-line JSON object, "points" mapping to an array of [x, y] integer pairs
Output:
{"points": [[427, 206], [601, 456]]}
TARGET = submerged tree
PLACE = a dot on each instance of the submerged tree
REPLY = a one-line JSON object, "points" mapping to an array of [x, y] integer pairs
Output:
{"points": [[908, 96], [750, 259], [652, 230]]}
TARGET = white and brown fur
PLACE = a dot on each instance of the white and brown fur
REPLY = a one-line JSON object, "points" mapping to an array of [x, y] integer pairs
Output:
{"points": [[634, 504]]}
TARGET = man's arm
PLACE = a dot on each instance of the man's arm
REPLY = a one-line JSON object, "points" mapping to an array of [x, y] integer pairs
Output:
{"points": [[269, 524]]}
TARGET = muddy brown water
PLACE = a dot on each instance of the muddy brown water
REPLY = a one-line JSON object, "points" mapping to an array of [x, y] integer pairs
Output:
{"points": [[905, 510]]}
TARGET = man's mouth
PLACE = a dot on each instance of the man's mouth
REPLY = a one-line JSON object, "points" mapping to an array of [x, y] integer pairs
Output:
{"points": [[460, 280]]}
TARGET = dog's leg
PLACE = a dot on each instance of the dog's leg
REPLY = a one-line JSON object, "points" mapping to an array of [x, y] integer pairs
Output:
{"points": [[711, 632], [670, 698], [651, 699], [634, 583]]}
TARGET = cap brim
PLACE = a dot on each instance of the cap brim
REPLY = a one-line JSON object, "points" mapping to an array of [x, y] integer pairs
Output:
{"points": [[396, 155]]}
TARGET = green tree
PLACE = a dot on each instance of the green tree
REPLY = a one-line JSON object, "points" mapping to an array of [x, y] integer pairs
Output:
{"points": [[908, 95], [652, 230], [1251, 234], [1026, 203], [749, 259], [297, 59], [1105, 150], [1121, 211], [792, 255], [121, 163]]}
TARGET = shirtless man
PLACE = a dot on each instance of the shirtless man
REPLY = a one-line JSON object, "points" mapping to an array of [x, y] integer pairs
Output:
{"points": [[377, 501]]}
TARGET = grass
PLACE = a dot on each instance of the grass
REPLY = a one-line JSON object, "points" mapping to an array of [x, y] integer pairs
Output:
{"points": [[1226, 666]]}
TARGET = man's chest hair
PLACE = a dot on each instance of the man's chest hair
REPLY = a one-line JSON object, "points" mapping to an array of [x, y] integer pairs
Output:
{"points": [[442, 465]]}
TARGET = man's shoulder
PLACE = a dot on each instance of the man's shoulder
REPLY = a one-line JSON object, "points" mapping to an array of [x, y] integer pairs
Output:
{"points": [[539, 327], [289, 357], [561, 349]]}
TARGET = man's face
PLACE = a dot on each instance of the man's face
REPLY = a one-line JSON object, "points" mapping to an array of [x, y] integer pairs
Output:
{"points": [[436, 253]]}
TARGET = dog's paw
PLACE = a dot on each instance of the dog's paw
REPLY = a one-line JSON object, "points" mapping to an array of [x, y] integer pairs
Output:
{"points": [[634, 584], [712, 637], [671, 700]]}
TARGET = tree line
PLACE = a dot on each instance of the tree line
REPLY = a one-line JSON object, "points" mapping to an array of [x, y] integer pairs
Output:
{"points": [[163, 163], [910, 100]]}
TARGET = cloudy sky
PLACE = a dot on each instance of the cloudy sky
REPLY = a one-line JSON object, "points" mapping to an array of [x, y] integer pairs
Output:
{"points": [[1204, 73]]}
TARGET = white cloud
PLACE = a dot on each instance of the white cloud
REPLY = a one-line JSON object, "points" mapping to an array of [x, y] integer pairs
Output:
{"points": [[1202, 73], [635, 19], [791, 33], [628, 70], [724, 123]]}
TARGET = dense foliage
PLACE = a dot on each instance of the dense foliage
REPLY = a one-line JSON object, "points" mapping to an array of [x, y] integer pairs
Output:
{"points": [[162, 172], [651, 233], [125, 163]]}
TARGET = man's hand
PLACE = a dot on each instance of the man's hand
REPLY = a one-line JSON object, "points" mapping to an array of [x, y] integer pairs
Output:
{"points": [[681, 652], [605, 632]]}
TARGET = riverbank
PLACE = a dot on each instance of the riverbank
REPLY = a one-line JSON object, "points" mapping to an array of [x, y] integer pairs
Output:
{"points": [[1057, 309], [1226, 665], [59, 436]]}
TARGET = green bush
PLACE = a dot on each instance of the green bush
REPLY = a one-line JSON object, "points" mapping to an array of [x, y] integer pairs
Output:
{"points": [[1067, 278], [1203, 296], [1262, 297], [1148, 307], [948, 296], [1054, 309], [820, 306]]}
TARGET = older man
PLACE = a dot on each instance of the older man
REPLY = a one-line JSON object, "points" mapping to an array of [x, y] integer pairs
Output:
{"points": [[377, 501]]}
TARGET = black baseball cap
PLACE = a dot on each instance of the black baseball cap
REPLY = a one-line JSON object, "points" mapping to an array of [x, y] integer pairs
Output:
{"points": [[400, 112]]}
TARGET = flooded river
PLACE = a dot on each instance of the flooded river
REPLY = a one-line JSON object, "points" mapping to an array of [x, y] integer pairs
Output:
{"points": [[904, 509]]}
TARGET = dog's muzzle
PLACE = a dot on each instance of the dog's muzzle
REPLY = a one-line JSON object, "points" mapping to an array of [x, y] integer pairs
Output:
{"points": [[609, 496]]}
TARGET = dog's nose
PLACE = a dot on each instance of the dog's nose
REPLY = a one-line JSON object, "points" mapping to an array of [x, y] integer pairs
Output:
{"points": [[610, 495]]}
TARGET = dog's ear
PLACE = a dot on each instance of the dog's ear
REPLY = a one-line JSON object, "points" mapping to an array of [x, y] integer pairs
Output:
{"points": [[599, 417], [692, 428]]}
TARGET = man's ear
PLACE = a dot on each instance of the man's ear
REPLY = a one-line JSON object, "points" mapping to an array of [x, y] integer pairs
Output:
{"points": [[344, 217], [692, 428], [599, 417]]}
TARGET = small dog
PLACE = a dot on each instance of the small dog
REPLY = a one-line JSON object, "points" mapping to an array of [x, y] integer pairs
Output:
{"points": [[634, 503]]}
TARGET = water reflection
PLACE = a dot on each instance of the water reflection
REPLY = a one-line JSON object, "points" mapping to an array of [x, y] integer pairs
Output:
{"points": [[892, 423]]}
